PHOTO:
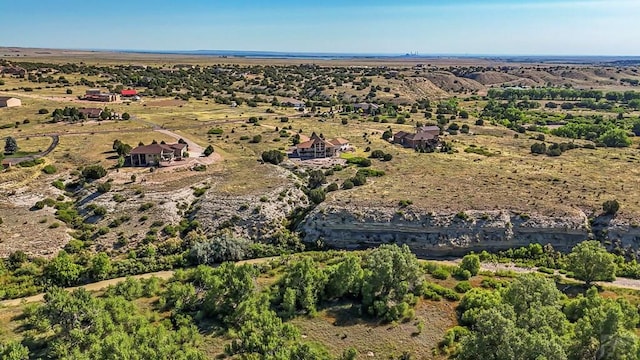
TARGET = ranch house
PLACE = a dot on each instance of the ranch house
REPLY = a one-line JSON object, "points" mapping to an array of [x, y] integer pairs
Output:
{"points": [[426, 137], [156, 154], [319, 148]]}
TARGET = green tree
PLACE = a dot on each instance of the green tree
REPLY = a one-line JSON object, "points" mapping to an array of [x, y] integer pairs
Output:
{"points": [[100, 266], [604, 327], [305, 282], [10, 145], [274, 157], [208, 151], [126, 116], [476, 300], [496, 336], [615, 138], [392, 274], [589, 261], [316, 179], [471, 263], [387, 135], [261, 333], [13, 351], [62, 270], [229, 286], [94, 172], [531, 291], [317, 196], [611, 207], [345, 278]]}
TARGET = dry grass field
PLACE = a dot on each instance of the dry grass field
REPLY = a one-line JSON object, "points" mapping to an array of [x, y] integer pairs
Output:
{"points": [[508, 176]]}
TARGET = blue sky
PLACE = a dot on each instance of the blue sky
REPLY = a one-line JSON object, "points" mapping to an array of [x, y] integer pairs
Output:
{"points": [[529, 27]]}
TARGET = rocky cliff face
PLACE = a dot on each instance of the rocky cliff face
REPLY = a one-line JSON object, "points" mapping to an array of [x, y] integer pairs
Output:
{"points": [[257, 216], [440, 235]]}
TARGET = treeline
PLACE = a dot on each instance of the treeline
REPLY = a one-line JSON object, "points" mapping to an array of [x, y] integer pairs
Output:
{"points": [[23, 276], [385, 283], [566, 94], [531, 319]]}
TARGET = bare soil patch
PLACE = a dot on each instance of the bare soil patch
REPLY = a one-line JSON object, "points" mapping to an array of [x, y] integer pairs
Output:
{"points": [[165, 103]]}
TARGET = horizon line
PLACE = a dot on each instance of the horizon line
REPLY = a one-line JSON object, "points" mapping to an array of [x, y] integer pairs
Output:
{"points": [[413, 53]]}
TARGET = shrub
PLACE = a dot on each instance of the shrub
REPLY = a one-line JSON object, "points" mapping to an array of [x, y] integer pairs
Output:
{"points": [[100, 211], [360, 161], [145, 206], [104, 187], [256, 139], [345, 121], [94, 172], [317, 196], [69, 91], [479, 122], [471, 263], [332, 187], [440, 273], [58, 184], [387, 157], [126, 116], [462, 287], [31, 163], [43, 111], [359, 180], [346, 185], [461, 274], [274, 157], [49, 169], [377, 154], [208, 151], [215, 131], [370, 173], [611, 207]]}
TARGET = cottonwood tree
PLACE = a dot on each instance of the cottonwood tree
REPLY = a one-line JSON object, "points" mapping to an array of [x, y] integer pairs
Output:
{"points": [[589, 261], [392, 274]]}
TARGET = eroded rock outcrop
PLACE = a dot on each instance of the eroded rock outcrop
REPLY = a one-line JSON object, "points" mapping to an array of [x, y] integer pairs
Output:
{"points": [[433, 235]]}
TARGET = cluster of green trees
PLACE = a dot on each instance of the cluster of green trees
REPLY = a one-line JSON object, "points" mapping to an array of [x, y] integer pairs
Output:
{"points": [[555, 149], [561, 94], [79, 325], [605, 133], [531, 319]]}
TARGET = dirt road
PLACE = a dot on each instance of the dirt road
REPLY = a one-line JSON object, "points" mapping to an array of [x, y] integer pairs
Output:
{"points": [[195, 150], [101, 285]]}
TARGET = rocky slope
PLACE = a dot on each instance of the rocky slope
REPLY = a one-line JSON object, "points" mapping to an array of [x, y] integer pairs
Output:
{"points": [[441, 235], [256, 216]]}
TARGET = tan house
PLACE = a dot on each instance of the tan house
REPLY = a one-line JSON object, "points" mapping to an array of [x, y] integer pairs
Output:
{"points": [[340, 144], [318, 148], [9, 102], [91, 113], [155, 154]]}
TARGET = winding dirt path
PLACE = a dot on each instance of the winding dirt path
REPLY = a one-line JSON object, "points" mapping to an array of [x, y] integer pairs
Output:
{"points": [[101, 285]]}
